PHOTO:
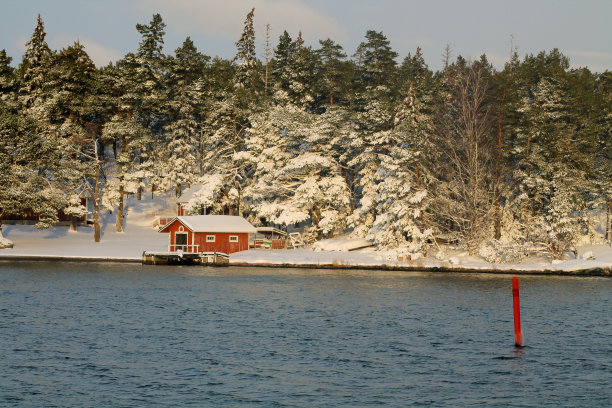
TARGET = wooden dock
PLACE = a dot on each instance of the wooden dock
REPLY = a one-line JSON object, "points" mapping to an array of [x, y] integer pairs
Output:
{"points": [[185, 258]]}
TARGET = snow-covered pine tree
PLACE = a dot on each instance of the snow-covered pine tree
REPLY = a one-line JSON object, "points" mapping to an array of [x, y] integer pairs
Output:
{"points": [[188, 93], [268, 149], [232, 116], [400, 202], [184, 133], [8, 82], [130, 165], [27, 164], [302, 75], [296, 178], [280, 64], [141, 88], [248, 80], [323, 157], [552, 173], [76, 110], [603, 155], [375, 117], [75, 210], [35, 67]]}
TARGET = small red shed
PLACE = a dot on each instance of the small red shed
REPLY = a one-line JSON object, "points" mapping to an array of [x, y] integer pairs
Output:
{"points": [[208, 233]]}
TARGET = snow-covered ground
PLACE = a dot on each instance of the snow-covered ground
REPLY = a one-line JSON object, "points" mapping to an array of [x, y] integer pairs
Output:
{"points": [[459, 260], [140, 236], [137, 237]]}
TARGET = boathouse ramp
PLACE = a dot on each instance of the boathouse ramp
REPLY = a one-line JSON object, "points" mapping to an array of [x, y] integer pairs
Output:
{"points": [[186, 258]]}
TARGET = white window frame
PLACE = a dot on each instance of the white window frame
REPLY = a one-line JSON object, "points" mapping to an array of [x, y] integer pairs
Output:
{"points": [[211, 238], [233, 238]]}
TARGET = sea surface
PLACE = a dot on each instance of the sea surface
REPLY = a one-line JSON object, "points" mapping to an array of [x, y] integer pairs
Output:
{"points": [[109, 335]]}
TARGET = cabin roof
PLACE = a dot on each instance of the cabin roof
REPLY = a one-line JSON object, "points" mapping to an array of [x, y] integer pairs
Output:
{"points": [[263, 230], [189, 193], [213, 223]]}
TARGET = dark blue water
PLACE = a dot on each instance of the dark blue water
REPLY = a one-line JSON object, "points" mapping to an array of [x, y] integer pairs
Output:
{"points": [[130, 335]]}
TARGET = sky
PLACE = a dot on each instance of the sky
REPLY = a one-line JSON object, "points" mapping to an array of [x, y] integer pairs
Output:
{"points": [[580, 29]]}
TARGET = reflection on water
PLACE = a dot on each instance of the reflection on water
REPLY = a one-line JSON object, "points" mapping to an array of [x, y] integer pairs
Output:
{"points": [[129, 335]]}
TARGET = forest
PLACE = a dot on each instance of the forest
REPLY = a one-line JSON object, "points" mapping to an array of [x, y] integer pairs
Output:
{"points": [[316, 138]]}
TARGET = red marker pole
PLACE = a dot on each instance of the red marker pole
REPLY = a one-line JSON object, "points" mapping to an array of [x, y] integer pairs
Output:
{"points": [[518, 336]]}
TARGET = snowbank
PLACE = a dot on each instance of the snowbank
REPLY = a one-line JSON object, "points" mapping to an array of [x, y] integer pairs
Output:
{"points": [[341, 244], [5, 243]]}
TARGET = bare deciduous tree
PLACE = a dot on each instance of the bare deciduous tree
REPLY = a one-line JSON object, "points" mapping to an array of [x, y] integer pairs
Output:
{"points": [[466, 185]]}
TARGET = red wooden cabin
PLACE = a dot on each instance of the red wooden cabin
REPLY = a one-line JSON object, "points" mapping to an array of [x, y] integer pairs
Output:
{"points": [[208, 233]]}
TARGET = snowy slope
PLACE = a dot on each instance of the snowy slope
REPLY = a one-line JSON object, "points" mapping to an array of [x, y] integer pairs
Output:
{"points": [[59, 241]]}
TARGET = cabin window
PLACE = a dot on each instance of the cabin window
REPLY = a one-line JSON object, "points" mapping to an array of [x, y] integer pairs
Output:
{"points": [[210, 238], [233, 238]]}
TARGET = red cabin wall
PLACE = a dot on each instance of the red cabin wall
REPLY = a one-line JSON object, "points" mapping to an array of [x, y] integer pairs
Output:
{"points": [[221, 244]]}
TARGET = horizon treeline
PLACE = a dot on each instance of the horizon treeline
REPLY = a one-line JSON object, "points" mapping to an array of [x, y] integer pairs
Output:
{"points": [[496, 161]]}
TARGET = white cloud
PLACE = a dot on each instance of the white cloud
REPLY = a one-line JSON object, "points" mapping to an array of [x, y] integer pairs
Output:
{"points": [[224, 18], [99, 54]]}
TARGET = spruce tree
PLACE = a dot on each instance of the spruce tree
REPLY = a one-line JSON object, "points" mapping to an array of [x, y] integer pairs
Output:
{"points": [[302, 75], [35, 71], [248, 81], [283, 54]]}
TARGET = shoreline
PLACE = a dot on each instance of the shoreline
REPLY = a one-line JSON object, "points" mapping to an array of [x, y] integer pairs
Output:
{"points": [[586, 272]]}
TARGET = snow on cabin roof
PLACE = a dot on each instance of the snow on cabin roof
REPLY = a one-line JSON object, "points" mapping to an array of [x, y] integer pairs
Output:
{"points": [[213, 223]]}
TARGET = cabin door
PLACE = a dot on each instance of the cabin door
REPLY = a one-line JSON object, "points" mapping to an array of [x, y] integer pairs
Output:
{"points": [[180, 241]]}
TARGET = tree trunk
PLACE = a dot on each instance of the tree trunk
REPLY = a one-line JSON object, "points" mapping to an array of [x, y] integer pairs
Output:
{"points": [[498, 217], [73, 223], [96, 204], [119, 219], [139, 190], [418, 181], [498, 211], [315, 214], [238, 202], [331, 90], [201, 154], [608, 224], [96, 196]]}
